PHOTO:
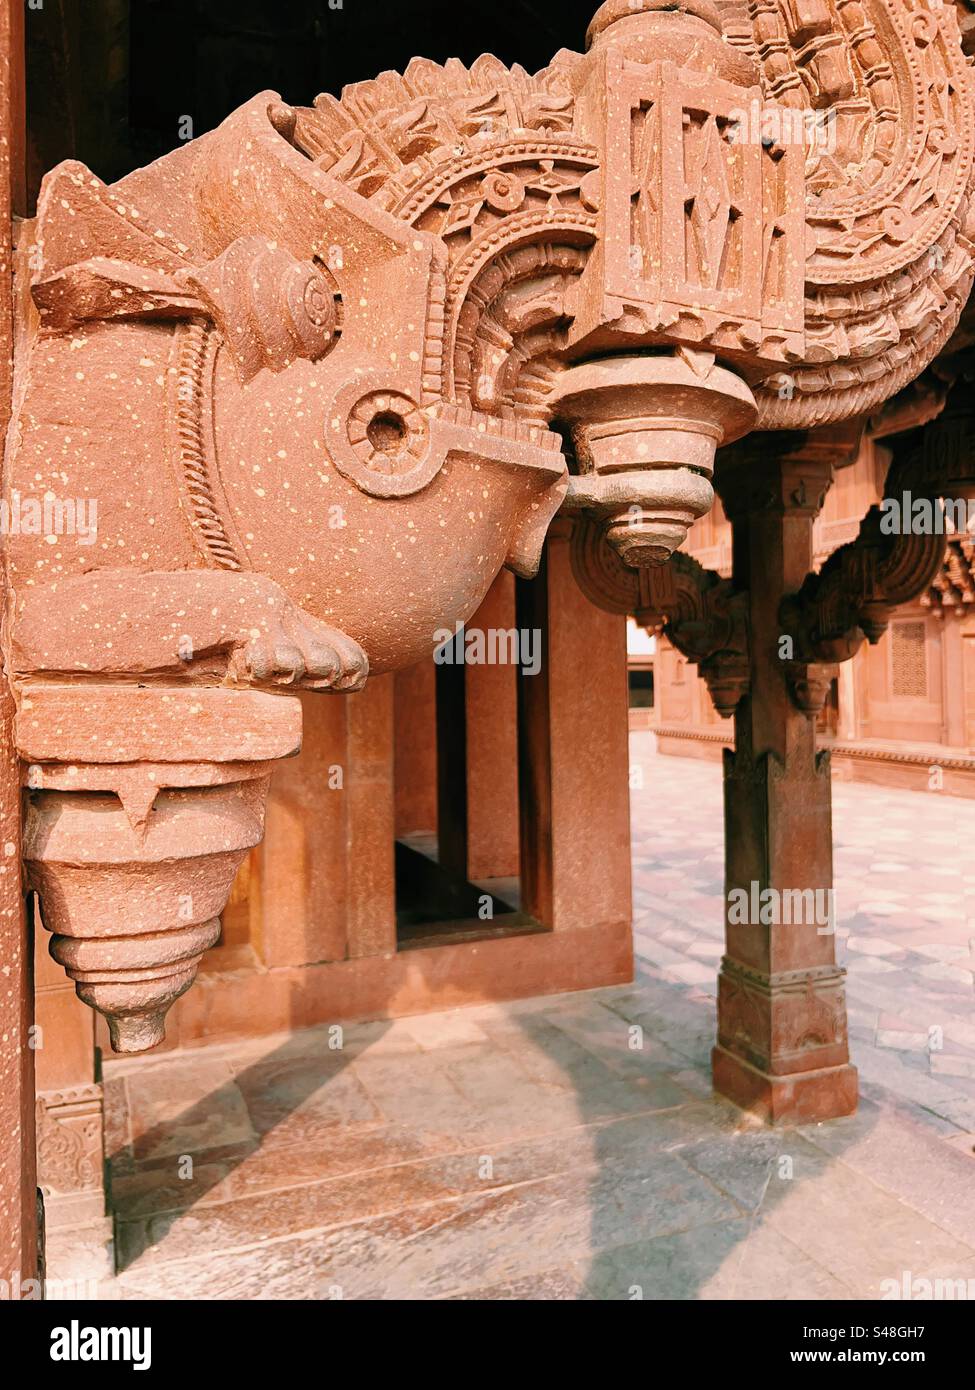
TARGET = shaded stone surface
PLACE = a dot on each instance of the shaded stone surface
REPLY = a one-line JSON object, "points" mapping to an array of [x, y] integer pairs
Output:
{"points": [[568, 1147]]}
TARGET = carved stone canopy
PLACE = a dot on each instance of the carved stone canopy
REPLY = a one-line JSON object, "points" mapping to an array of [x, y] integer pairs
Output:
{"points": [[326, 369]]}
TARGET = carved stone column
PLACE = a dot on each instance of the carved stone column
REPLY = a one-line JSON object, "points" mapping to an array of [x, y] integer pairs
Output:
{"points": [[782, 1046]]}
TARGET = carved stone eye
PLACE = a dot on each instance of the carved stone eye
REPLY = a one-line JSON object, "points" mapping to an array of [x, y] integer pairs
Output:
{"points": [[269, 306], [388, 432]]}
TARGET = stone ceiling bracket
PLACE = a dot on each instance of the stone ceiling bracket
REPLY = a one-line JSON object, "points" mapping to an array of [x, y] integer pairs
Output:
{"points": [[697, 610], [706, 619]]}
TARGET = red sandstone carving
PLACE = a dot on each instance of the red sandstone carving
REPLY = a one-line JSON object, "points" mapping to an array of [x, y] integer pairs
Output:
{"points": [[313, 366], [142, 804], [853, 596], [701, 613]]}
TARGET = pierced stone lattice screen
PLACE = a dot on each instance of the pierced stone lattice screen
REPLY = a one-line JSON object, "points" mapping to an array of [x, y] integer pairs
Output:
{"points": [[908, 661]]}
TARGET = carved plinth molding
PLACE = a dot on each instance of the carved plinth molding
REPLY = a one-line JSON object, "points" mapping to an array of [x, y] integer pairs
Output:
{"points": [[784, 1022], [70, 1155]]}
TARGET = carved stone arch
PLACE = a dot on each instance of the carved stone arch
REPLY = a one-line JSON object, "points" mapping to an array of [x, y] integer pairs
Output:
{"points": [[501, 252], [512, 312], [506, 210]]}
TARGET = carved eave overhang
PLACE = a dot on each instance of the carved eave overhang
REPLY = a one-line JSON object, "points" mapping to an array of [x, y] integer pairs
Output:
{"points": [[849, 282], [952, 592]]}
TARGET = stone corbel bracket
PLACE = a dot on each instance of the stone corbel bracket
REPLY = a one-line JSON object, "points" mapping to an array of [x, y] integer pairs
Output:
{"points": [[706, 619], [856, 591], [699, 611], [851, 599], [142, 802]]}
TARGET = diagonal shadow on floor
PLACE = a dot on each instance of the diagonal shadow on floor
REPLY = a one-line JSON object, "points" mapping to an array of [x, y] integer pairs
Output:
{"points": [[566, 1147]]}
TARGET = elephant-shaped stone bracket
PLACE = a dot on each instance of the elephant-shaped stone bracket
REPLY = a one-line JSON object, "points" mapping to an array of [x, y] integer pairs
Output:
{"points": [[325, 370]]}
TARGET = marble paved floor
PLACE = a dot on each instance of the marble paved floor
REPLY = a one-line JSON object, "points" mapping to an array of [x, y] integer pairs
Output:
{"points": [[570, 1147]]}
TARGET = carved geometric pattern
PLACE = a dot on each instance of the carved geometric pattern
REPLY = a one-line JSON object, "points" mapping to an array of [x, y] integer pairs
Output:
{"points": [[908, 661]]}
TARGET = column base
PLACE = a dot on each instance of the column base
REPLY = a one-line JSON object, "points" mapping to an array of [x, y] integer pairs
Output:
{"points": [[801, 1098]]}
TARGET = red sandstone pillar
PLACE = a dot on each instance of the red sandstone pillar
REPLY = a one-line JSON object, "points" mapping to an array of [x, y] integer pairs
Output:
{"points": [[18, 1178], [782, 1043], [573, 753], [370, 820], [325, 866], [477, 751], [492, 748], [415, 748]]}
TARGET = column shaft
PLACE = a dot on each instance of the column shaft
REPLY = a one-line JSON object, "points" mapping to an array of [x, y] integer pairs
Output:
{"points": [[782, 1041]]}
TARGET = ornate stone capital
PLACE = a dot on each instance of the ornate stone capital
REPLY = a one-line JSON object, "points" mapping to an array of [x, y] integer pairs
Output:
{"points": [[788, 474]]}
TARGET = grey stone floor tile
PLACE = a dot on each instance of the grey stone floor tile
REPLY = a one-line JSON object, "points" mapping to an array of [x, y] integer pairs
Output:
{"points": [[732, 1260], [613, 1173]]}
